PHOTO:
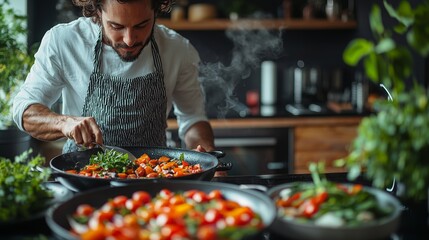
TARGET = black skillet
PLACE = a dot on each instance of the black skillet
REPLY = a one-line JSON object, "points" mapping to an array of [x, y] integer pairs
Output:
{"points": [[76, 160], [57, 216]]}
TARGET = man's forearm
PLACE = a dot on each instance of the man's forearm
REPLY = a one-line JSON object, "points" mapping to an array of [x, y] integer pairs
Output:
{"points": [[201, 133], [42, 123]]}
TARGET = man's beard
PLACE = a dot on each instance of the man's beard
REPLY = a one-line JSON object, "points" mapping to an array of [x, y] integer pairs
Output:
{"points": [[127, 56]]}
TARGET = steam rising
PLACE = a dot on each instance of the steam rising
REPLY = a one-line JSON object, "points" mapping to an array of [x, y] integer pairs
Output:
{"points": [[251, 46]]}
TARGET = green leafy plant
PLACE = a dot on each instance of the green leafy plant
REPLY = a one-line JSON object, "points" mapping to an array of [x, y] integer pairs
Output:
{"points": [[394, 143], [21, 190], [15, 59]]}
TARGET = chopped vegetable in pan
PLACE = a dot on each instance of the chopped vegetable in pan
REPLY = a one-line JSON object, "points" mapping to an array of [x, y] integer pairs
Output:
{"points": [[188, 215], [114, 164]]}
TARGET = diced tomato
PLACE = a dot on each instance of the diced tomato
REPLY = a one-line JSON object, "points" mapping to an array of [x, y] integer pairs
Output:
{"points": [[152, 175], [122, 175], [148, 169], [140, 171], [164, 159]]}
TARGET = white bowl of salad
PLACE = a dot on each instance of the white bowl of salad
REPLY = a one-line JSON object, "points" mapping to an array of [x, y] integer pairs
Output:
{"points": [[324, 209]]}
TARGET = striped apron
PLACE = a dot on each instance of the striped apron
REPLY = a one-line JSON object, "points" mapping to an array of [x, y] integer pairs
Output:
{"points": [[129, 111]]}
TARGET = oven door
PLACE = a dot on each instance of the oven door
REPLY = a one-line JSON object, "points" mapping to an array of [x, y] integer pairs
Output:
{"points": [[254, 151]]}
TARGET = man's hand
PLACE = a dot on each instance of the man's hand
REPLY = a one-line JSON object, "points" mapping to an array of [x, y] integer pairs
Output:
{"points": [[217, 173], [42, 123], [83, 130]]}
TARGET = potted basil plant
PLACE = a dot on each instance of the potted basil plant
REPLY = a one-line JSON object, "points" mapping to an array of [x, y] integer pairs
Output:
{"points": [[393, 144], [15, 62]]}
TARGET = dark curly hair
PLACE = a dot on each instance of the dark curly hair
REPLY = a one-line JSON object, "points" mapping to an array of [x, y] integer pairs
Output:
{"points": [[90, 7]]}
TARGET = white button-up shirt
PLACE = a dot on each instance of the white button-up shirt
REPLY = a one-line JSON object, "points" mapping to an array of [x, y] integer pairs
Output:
{"points": [[64, 63]]}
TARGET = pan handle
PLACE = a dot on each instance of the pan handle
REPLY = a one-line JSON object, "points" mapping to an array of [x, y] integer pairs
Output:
{"points": [[224, 166], [217, 153]]}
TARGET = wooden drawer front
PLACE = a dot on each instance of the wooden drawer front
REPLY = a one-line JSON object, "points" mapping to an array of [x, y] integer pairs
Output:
{"points": [[321, 143]]}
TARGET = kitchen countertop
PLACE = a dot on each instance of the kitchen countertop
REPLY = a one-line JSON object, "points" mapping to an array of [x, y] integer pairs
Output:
{"points": [[414, 222], [277, 122]]}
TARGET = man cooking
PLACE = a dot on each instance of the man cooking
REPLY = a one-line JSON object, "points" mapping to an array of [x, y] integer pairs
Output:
{"points": [[119, 74]]}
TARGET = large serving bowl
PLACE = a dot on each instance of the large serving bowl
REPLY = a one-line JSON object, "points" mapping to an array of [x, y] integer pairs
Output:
{"points": [[58, 217], [381, 228]]}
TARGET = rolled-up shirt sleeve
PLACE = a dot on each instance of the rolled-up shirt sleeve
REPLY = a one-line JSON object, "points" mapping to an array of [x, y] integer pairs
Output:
{"points": [[43, 83]]}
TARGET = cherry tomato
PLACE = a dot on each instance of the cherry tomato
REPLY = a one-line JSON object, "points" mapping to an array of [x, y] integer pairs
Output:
{"points": [[132, 204], [173, 231], [189, 193], [165, 193], [176, 200], [200, 197], [320, 198], [212, 216], [163, 219], [215, 194], [206, 232], [84, 209], [142, 197], [125, 233], [145, 214], [289, 201], [308, 208], [119, 201], [239, 216]]}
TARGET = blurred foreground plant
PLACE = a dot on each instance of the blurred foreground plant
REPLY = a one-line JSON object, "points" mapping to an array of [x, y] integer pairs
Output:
{"points": [[394, 143]]}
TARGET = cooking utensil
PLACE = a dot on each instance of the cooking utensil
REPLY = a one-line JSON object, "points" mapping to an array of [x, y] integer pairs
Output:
{"points": [[377, 229], [56, 217], [118, 149], [76, 160]]}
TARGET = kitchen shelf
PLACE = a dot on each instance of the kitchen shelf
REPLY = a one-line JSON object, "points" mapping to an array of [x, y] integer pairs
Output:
{"points": [[252, 24]]}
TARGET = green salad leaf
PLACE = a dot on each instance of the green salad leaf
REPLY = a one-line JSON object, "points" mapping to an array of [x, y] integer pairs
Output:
{"points": [[112, 159]]}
